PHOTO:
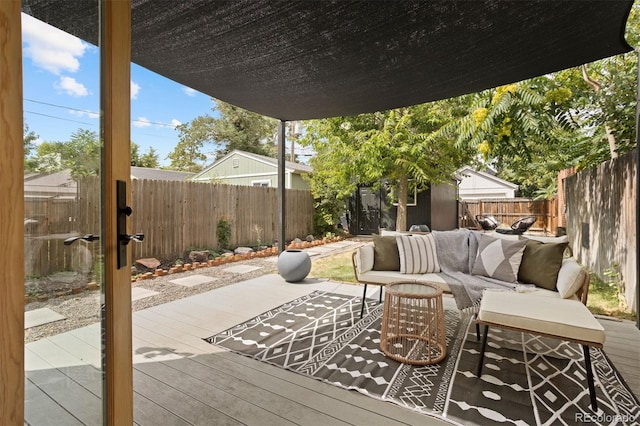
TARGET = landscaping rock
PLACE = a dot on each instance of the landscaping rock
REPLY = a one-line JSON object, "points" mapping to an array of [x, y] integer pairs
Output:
{"points": [[310, 238], [199, 256], [243, 250], [149, 263]]}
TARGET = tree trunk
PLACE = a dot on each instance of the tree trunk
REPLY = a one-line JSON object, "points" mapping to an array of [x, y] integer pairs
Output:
{"points": [[613, 148], [403, 192]]}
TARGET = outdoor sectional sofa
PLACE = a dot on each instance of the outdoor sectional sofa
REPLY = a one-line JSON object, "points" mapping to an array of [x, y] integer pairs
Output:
{"points": [[523, 283], [466, 262]]}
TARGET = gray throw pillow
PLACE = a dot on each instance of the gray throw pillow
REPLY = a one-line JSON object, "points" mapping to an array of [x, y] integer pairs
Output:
{"points": [[541, 263], [385, 253], [498, 258]]}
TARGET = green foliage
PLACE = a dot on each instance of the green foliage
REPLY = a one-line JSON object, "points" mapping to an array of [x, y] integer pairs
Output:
{"points": [[257, 229], [187, 155], [29, 138], [223, 231], [149, 159], [604, 300], [325, 215], [237, 128], [392, 146], [234, 128], [81, 154]]}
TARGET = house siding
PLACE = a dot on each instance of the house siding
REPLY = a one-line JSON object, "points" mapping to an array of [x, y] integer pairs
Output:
{"points": [[475, 186], [248, 171]]}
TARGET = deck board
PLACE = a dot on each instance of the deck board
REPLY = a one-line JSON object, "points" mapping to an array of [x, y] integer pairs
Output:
{"points": [[240, 409], [179, 379], [227, 379]]}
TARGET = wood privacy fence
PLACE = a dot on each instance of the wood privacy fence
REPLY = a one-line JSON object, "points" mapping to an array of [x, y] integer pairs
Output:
{"points": [[174, 216], [601, 220], [177, 216], [509, 210]]}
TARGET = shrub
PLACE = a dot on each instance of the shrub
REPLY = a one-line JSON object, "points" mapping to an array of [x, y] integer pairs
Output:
{"points": [[224, 233]]}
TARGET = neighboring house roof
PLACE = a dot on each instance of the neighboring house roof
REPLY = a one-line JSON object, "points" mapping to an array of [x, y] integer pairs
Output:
{"points": [[61, 184], [290, 167], [50, 185], [158, 174], [466, 171]]}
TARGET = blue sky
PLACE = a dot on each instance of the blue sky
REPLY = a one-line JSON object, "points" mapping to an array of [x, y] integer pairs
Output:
{"points": [[62, 89]]}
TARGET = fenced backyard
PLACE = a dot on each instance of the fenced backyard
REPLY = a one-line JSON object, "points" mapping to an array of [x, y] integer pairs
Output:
{"points": [[174, 216], [508, 211]]}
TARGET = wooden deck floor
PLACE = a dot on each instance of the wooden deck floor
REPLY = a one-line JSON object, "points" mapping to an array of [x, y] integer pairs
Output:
{"points": [[181, 380]]}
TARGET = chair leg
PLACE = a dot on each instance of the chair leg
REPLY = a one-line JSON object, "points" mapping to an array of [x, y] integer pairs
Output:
{"points": [[592, 388], [364, 298], [477, 327], [484, 346], [380, 298]]}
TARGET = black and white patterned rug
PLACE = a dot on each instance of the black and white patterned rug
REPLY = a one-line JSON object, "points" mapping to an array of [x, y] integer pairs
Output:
{"points": [[527, 380]]}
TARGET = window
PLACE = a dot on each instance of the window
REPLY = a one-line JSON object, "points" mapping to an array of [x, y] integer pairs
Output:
{"points": [[412, 196], [266, 182], [236, 163]]}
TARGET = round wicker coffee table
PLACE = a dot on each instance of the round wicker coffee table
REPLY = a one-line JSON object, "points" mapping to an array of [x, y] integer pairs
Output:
{"points": [[413, 329]]}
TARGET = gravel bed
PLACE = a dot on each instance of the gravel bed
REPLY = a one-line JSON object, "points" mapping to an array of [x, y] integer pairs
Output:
{"points": [[84, 308]]}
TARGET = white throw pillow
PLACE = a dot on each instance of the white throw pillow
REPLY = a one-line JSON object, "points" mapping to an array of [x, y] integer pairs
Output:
{"points": [[417, 254], [498, 258], [364, 260], [570, 278]]}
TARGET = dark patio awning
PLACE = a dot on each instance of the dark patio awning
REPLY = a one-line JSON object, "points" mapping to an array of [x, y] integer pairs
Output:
{"points": [[311, 59]]}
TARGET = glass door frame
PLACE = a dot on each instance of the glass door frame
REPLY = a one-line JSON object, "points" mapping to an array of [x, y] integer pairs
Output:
{"points": [[115, 99]]}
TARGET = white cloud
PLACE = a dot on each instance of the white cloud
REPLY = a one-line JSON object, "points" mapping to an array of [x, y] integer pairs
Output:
{"points": [[189, 91], [135, 89], [175, 123], [71, 87], [142, 122], [84, 113], [50, 48]]}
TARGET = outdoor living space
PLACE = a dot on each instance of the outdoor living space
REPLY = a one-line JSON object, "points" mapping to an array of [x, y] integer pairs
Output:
{"points": [[179, 378]]}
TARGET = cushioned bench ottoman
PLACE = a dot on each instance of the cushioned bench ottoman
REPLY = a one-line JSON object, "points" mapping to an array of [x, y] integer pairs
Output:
{"points": [[563, 319]]}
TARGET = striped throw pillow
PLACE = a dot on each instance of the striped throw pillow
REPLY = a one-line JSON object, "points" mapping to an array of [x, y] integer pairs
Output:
{"points": [[417, 254]]}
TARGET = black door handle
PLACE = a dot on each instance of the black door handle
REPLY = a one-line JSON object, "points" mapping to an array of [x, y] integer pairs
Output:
{"points": [[126, 239], [87, 237]]}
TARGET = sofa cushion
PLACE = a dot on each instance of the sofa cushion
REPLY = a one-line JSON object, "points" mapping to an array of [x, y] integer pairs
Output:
{"points": [[498, 258], [560, 318], [364, 258], [385, 253], [571, 276], [541, 263], [545, 239], [417, 254]]}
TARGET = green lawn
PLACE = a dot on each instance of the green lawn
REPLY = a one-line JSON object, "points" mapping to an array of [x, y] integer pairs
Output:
{"points": [[603, 300], [602, 297], [336, 267]]}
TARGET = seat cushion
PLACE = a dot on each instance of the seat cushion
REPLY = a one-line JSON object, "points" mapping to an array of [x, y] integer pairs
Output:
{"points": [[553, 316]]}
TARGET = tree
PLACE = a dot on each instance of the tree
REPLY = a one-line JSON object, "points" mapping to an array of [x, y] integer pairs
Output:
{"points": [[398, 147], [577, 117], [243, 130], [235, 128], [81, 154], [187, 155], [148, 160], [29, 138]]}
